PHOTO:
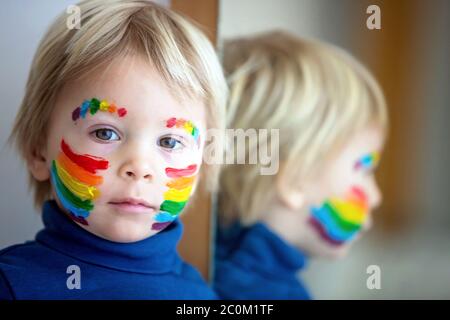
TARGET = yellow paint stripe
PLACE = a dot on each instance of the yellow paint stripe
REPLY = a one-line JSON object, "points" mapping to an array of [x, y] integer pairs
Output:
{"points": [[78, 188], [348, 211], [104, 105], [178, 195]]}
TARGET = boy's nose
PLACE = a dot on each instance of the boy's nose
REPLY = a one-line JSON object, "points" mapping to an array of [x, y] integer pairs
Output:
{"points": [[136, 170], [375, 196]]}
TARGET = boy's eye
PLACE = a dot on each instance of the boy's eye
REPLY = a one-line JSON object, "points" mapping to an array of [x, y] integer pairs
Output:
{"points": [[106, 134], [170, 143]]}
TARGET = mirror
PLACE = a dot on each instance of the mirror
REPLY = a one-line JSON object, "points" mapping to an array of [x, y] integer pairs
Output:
{"points": [[403, 43]]}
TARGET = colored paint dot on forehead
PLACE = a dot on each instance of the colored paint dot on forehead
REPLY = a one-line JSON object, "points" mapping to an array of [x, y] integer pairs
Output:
{"points": [[122, 112], [94, 105], [187, 125], [368, 161]]}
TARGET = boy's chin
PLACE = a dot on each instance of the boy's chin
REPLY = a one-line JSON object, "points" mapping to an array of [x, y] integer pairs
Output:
{"points": [[325, 250], [123, 233], [336, 252]]}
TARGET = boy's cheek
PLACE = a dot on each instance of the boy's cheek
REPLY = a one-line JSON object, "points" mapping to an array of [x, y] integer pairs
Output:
{"points": [[76, 179], [104, 150], [175, 198], [339, 220], [181, 159], [85, 144]]}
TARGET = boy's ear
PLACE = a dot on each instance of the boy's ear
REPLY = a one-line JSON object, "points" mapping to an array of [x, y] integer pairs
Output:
{"points": [[37, 164], [292, 196]]}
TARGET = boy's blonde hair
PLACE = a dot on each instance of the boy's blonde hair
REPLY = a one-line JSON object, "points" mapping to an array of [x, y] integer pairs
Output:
{"points": [[316, 94], [110, 29]]}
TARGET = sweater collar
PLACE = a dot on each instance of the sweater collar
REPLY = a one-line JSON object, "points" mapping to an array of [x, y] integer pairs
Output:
{"points": [[260, 248], [156, 254]]}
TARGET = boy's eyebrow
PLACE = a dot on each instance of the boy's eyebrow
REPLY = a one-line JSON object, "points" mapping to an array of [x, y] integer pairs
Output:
{"points": [[94, 105], [187, 125], [368, 161]]}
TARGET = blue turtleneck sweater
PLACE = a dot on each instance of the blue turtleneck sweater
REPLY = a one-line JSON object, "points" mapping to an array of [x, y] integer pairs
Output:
{"points": [[255, 263], [67, 262]]}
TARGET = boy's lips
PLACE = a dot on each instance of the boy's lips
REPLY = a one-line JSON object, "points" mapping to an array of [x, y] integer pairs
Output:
{"points": [[132, 205]]}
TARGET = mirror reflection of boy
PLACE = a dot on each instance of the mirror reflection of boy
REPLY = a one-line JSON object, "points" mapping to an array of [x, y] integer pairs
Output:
{"points": [[332, 123], [113, 128]]}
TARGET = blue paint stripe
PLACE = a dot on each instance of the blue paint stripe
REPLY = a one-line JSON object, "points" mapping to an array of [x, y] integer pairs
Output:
{"points": [[84, 108], [164, 216], [332, 228], [195, 134]]}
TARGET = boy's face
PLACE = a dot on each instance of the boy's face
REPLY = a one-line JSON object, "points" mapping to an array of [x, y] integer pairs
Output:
{"points": [[123, 153], [338, 201]]}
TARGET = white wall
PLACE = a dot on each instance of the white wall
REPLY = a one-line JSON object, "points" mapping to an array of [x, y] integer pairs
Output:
{"points": [[22, 24], [324, 19]]}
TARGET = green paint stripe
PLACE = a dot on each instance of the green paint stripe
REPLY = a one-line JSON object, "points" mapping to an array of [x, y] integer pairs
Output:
{"points": [[172, 207], [344, 224], [94, 106]]}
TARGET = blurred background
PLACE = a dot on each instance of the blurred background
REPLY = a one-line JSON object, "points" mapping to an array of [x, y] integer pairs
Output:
{"points": [[409, 56]]}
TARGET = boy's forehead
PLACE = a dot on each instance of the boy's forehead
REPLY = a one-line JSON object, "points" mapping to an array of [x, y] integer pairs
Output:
{"points": [[132, 75], [138, 88]]}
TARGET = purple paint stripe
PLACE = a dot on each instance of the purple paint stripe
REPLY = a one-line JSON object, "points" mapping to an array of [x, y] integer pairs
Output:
{"points": [[80, 220], [160, 225]]}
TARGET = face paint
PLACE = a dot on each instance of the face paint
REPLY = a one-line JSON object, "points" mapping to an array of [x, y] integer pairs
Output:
{"points": [[339, 220], [188, 126], [176, 197], [74, 179], [368, 161], [93, 106]]}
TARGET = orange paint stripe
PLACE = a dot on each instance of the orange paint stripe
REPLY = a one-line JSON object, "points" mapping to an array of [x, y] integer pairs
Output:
{"points": [[77, 172], [181, 183]]}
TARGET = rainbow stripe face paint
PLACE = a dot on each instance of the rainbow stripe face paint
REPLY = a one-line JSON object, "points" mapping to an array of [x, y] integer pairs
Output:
{"points": [[93, 106], [75, 180], [339, 220], [188, 126], [175, 199], [368, 161]]}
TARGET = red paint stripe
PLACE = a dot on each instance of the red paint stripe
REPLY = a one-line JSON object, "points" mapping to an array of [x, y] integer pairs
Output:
{"points": [[87, 162], [171, 122], [359, 193], [176, 173], [122, 112]]}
